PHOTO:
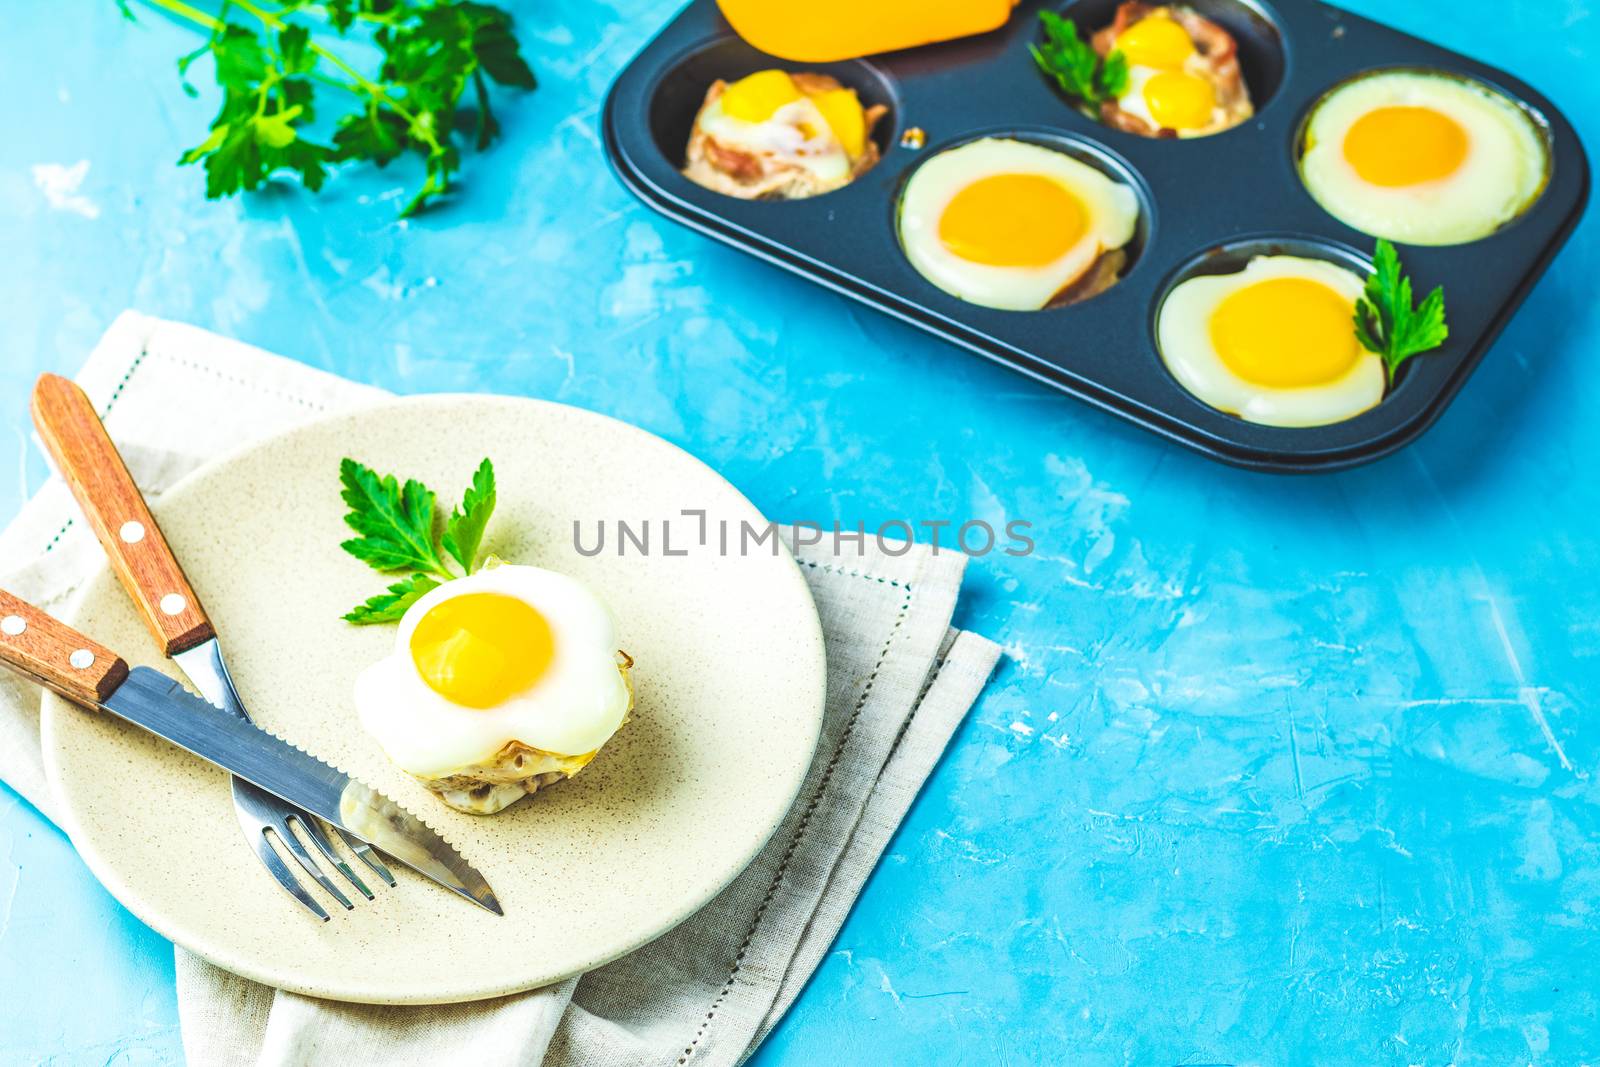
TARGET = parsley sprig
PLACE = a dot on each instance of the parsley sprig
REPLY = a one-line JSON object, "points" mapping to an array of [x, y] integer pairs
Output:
{"points": [[433, 50], [1386, 320], [1076, 66], [398, 529]]}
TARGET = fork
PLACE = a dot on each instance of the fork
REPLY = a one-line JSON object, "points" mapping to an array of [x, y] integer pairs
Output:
{"points": [[94, 470]]}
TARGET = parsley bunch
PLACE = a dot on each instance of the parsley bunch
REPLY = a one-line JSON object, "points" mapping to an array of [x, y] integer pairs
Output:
{"points": [[1386, 320], [1076, 66], [433, 50], [397, 529]]}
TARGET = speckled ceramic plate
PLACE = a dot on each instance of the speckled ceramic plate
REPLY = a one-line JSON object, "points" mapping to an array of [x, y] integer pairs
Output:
{"points": [[730, 675]]}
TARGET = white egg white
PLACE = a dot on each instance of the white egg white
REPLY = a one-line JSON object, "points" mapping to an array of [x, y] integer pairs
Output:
{"points": [[1132, 99], [1112, 208], [1183, 334], [572, 709], [782, 136], [1504, 171]]}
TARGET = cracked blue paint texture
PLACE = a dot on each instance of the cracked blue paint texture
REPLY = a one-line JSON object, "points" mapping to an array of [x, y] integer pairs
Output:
{"points": [[1277, 771]]}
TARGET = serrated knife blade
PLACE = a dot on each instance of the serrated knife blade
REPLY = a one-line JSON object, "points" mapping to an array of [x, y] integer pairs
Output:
{"points": [[152, 701]]}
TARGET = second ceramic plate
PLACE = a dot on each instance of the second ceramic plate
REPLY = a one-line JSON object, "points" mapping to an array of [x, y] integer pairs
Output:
{"points": [[730, 681]]}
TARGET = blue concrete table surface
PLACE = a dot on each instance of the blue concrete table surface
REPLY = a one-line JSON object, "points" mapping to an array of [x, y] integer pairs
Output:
{"points": [[1277, 771]]}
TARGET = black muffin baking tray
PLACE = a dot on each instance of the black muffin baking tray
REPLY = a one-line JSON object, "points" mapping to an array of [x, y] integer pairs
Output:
{"points": [[1207, 205]]}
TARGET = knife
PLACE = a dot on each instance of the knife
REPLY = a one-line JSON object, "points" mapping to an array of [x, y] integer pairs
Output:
{"points": [[93, 469], [90, 675]]}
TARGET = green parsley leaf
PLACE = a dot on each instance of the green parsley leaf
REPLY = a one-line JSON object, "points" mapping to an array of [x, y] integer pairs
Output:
{"points": [[1386, 321], [1066, 57], [277, 129], [240, 57], [305, 159], [266, 104], [374, 134], [390, 606], [463, 533], [495, 47], [395, 522], [399, 531], [245, 152], [432, 52], [488, 125], [294, 50], [1112, 79], [341, 13], [1074, 64]]}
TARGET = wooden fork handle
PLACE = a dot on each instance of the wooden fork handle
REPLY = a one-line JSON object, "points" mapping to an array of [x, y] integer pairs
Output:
{"points": [[117, 513], [55, 655]]}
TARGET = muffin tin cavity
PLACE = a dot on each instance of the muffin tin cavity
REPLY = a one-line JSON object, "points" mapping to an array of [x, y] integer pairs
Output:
{"points": [[681, 90], [1097, 157], [1198, 204], [1476, 158], [1230, 260], [1253, 28]]}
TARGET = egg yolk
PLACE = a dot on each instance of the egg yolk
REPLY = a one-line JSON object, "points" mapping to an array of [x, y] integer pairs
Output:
{"points": [[1156, 42], [479, 649], [1013, 220], [841, 110], [755, 98], [1285, 332], [1180, 101], [1398, 146]]}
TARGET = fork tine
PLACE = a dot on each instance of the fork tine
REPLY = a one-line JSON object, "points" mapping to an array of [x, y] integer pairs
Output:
{"points": [[290, 841], [280, 870], [313, 829], [368, 854]]}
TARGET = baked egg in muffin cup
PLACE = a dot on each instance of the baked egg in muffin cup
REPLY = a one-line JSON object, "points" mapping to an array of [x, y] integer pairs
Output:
{"points": [[1423, 157], [1184, 78], [500, 683], [1014, 225], [781, 135], [1272, 343]]}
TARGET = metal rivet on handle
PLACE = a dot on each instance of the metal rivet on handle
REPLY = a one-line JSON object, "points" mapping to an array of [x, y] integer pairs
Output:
{"points": [[82, 659], [132, 532], [12, 625], [174, 604]]}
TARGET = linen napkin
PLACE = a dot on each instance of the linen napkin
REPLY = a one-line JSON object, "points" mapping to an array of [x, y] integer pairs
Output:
{"points": [[899, 682]]}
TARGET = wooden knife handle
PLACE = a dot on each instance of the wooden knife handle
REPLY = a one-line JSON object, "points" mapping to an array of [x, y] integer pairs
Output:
{"points": [[100, 481], [55, 655]]}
